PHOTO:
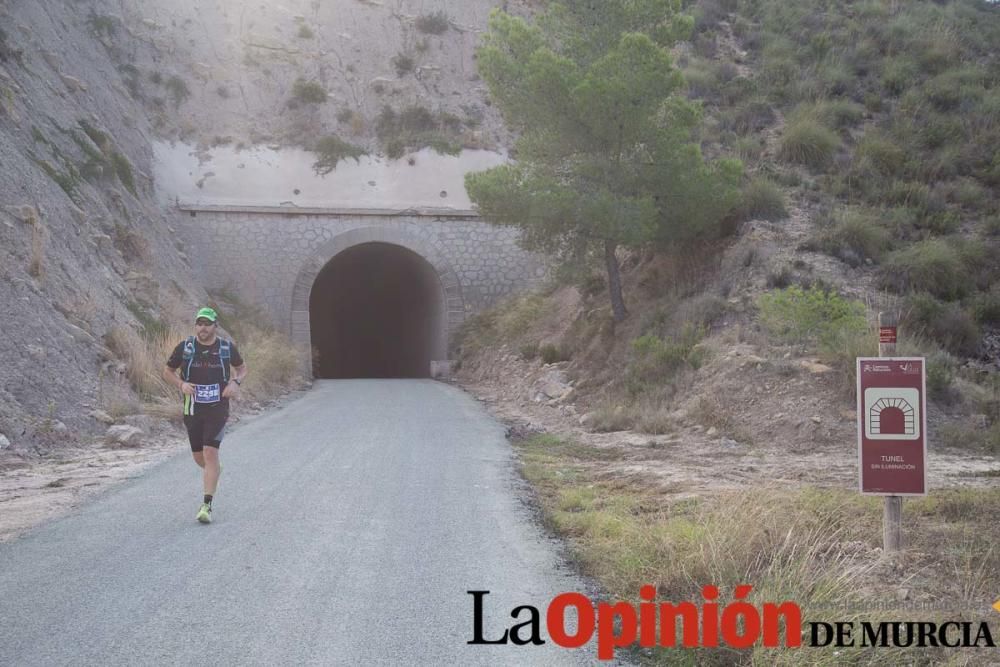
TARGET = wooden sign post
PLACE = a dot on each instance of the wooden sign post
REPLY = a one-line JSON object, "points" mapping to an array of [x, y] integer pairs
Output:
{"points": [[892, 429], [892, 513]]}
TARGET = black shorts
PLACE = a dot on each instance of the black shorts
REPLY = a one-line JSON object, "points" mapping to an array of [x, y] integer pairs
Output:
{"points": [[206, 427]]}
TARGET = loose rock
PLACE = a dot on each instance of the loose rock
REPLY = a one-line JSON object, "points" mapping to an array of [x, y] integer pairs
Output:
{"points": [[126, 436]]}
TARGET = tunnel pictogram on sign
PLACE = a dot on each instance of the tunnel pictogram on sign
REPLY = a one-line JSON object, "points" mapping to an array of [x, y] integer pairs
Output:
{"points": [[892, 414]]}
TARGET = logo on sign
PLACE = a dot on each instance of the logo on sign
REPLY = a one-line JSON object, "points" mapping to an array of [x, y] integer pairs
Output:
{"points": [[892, 413]]}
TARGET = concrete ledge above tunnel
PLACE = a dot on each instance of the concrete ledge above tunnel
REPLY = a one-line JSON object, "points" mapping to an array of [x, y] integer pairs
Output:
{"points": [[376, 310]]}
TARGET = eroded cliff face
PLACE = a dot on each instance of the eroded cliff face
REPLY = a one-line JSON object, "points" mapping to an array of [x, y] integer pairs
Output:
{"points": [[292, 72], [83, 247], [87, 88]]}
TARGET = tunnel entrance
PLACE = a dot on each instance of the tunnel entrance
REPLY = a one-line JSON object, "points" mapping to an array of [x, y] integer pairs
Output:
{"points": [[375, 312]]}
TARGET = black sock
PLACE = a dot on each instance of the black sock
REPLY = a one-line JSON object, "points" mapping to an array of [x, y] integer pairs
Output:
{"points": [[208, 499]]}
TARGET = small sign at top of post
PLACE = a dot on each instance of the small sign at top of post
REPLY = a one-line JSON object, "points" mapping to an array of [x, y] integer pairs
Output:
{"points": [[886, 335]]}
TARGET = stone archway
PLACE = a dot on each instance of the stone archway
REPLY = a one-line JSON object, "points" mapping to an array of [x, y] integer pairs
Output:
{"points": [[392, 245]]}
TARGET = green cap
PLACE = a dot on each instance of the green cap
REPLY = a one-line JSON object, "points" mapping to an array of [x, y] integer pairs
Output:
{"points": [[206, 313]]}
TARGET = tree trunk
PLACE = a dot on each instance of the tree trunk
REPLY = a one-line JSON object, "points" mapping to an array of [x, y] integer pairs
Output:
{"points": [[614, 281]]}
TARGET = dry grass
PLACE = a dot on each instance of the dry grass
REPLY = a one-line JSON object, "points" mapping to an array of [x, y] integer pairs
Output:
{"points": [[274, 365], [39, 238], [814, 546], [709, 411], [145, 358]]}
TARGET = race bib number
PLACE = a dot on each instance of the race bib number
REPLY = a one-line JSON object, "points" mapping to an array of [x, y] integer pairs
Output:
{"points": [[207, 393]]}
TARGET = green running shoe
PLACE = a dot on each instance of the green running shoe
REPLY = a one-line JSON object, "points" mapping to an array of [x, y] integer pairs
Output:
{"points": [[205, 513]]}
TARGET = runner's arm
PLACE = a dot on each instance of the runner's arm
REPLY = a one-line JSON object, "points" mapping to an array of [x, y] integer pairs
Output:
{"points": [[170, 375]]}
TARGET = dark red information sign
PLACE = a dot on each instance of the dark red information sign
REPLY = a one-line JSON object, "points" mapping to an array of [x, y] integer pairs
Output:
{"points": [[887, 334], [892, 426]]}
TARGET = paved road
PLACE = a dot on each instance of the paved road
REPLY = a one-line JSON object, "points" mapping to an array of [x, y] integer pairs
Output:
{"points": [[348, 527]]}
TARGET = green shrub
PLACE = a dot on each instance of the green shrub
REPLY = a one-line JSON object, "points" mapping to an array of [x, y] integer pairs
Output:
{"points": [[435, 23], [153, 327], [968, 436], [986, 306], [178, 90], [332, 149], [940, 375], [761, 199], [403, 63], [130, 77], [991, 226], [932, 266], [780, 65], [752, 117], [529, 351], [796, 315], [840, 113], [415, 127], [833, 78], [749, 149], [899, 74], [988, 109], [856, 237], [102, 24], [123, 169], [735, 89], [981, 260], [908, 193], [552, 354], [954, 88], [969, 194], [701, 77], [305, 32], [8, 53], [941, 129], [945, 323], [308, 92], [807, 141], [701, 311], [655, 360], [881, 153]]}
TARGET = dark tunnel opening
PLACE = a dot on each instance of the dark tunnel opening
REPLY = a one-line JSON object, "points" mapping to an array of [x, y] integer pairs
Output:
{"points": [[375, 312]]}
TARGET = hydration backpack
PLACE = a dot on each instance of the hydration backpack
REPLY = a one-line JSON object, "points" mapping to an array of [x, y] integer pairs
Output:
{"points": [[224, 355]]}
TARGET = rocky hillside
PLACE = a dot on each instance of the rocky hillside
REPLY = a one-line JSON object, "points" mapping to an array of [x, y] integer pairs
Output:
{"points": [[83, 247], [294, 73], [87, 87], [869, 135]]}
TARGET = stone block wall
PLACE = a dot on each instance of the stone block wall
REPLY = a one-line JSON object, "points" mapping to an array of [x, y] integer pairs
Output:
{"points": [[270, 257]]}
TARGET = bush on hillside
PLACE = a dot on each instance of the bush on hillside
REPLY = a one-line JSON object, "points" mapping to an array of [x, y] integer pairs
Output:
{"points": [[933, 266], [435, 23], [857, 236], [761, 200], [808, 142], [655, 360], [796, 315], [332, 149], [308, 92], [945, 323]]}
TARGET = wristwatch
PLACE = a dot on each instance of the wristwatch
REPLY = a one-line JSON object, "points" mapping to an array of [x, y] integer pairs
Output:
{"points": [[238, 383]]}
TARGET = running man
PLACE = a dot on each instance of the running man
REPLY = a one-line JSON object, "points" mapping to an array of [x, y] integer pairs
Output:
{"points": [[206, 361]]}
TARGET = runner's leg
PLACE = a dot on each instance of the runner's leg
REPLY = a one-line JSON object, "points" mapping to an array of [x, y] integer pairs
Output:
{"points": [[212, 469], [195, 429]]}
